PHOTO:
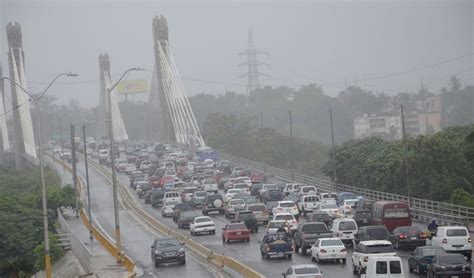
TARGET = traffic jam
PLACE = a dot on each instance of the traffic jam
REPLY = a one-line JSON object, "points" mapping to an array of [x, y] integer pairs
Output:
{"points": [[207, 198]]}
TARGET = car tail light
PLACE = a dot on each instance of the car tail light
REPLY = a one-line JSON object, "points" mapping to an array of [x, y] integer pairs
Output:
{"points": [[343, 250], [323, 251], [422, 235], [366, 259], [403, 236], [445, 240]]}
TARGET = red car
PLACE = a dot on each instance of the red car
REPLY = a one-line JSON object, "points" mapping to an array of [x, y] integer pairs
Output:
{"points": [[235, 231], [256, 177]]}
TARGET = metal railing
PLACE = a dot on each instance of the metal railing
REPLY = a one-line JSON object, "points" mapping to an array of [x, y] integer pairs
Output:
{"points": [[422, 209], [81, 252]]}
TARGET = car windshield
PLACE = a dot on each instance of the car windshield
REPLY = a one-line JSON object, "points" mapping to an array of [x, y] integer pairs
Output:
{"points": [[276, 224], [377, 233], [362, 214], [167, 242], [200, 194], [347, 226], [456, 232], [204, 219], [307, 270], [287, 205], [284, 217], [234, 191], [308, 189], [238, 226], [236, 202], [452, 259], [332, 242], [257, 208], [431, 251], [396, 213], [315, 227]]}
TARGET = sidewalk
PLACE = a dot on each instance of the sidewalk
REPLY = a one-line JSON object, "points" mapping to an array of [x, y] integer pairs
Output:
{"points": [[102, 263]]}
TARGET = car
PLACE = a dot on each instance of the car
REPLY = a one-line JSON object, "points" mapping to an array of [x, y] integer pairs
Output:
{"points": [[185, 218], [198, 198], [121, 165], [347, 205], [167, 249], [453, 239], [325, 249], [362, 217], [255, 189], [168, 208], [303, 271], [307, 203], [272, 195], [384, 267], [222, 181], [278, 244], [291, 188], [328, 197], [145, 165], [142, 188], [260, 212], [202, 224], [231, 193], [242, 186], [407, 237], [171, 196], [286, 206], [180, 208], [449, 265], [367, 249], [265, 187], [248, 218], [210, 185], [421, 258], [188, 193], [290, 218], [130, 168], [213, 202], [330, 208], [307, 233], [103, 155], [320, 217], [156, 198], [306, 190], [372, 232], [364, 205], [235, 231], [233, 206], [344, 229], [274, 225], [135, 177], [147, 196]]}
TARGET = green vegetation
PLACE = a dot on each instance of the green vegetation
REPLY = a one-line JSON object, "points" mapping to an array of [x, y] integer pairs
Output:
{"points": [[21, 229], [440, 165]]}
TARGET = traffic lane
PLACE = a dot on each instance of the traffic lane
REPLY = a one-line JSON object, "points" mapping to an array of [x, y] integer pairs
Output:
{"points": [[136, 238], [249, 253]]}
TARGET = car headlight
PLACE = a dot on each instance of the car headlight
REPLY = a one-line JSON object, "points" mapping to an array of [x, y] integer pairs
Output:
{"points": [[158, 252], [181, 250]]}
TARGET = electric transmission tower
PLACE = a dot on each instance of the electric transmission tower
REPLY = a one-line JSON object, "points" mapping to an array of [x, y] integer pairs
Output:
{"points": [[253, 75]]}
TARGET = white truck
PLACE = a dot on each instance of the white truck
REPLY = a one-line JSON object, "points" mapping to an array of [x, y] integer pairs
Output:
{"points": [[454, 239], [367, 249], [384, 267]]}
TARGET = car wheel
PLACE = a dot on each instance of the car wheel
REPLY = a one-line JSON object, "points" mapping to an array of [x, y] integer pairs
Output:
{"points": [[262, 254], [360, 270], [248, 240], [296, 248], [312, 258], [317, 258], [354, 269], [157, 264], [227, 240], [192, 233], [344, 261], [289, 256], [223, 239], [397, 245], [303, 250]]}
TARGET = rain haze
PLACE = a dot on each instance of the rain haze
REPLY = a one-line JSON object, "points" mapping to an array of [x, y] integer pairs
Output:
{"points": [[330, 43]]}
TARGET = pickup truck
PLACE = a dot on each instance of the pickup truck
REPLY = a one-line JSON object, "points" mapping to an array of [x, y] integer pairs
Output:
{"points": [[368, 249], [276, 245], [307, 233]]}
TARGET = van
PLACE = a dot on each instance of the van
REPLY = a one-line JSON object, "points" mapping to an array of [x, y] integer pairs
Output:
{"points": [[384, 267], [344, 229], [307, 203], [172, 196], [391, 214], [453, 239], [307, 190]]}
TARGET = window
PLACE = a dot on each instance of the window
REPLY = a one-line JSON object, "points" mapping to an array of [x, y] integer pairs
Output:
{"points": [[347, 226], [456, 232], [396, 213], [395, 267], [289, 271], [381, 268]]}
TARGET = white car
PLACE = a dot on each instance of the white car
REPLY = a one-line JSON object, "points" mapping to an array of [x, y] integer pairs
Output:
{"points": [[286, 206], [347, 206], [231, 193], [267, 186], [202, 224], [210, 185], [274, 225], [168, 207], [328, 198], [121, 165], [171, 196], [242, 186], [307, 203], [291, 188], [209, 163], [307, 190], [187, 193], [289, 218], [303, 271], [384, 267], [325, 249], [344, 229], [331, 209], [367, 249], [453, 239], [245, 180]]}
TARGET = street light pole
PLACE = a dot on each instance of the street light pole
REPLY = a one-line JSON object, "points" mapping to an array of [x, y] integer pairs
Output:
{"points": [[405, 156], [112, 156], [36, 98], [292, 160], [333, 150], [89, 213]]}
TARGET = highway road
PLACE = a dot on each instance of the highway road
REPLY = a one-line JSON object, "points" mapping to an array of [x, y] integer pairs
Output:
{"points": [[248, 253], [136, 237]]}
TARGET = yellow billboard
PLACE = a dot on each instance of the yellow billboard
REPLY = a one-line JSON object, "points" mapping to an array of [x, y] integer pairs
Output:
{"points": [[132, 87]]}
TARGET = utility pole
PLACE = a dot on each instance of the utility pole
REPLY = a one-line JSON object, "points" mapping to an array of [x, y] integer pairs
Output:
{"points": [[292, 161], [89, 213], [74, 169], [261, 119], [61, 134], [333, 150], [405, 156]]}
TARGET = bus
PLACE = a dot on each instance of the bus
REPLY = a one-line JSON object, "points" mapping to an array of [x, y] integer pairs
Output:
{"points": [[391, 214], [204, 153]]}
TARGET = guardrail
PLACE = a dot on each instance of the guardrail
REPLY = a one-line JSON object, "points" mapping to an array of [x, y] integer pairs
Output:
{"points": [[78, 248], [422, 209], [99, 235], [219, 260]]}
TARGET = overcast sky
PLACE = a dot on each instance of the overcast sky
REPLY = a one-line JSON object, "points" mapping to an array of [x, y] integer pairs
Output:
{"points": [[321, 42]]}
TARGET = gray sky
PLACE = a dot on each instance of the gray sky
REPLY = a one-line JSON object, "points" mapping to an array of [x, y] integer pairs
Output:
{"points": [[309, 41]]}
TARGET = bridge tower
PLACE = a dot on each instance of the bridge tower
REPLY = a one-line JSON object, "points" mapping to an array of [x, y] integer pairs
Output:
{"points": [[104, 72]]}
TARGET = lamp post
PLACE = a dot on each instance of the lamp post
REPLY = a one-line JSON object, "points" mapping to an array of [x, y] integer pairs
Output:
{"points": [[36, 98], [405, 155], [112, 156], [333, 150]]}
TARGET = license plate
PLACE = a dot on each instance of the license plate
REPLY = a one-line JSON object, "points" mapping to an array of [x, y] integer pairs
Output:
{"points": [[413, 238], [364, 221], [280, 253], [333, 255], [239, 233]]}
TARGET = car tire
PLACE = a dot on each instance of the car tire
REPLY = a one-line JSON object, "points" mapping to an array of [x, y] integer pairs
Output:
{"points": [[157, 264], [317, 259], [397, 245], [354, 269], [361, 271], [289, 256], [247, 240], [227, 240], [223, 239], [262, 254], [312, 258], [192, 233], [343, 261], [296, 248], [303, 250]]}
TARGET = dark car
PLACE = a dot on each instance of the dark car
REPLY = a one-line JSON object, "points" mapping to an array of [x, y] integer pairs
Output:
{"points": [[371, 233], [185, 219], [136, 177], [449, 265], [407, 237], [142, 189], [276, 245], [307, 233], [148, 197], [255, 189], [320, 217], [421, 258], [248, 218], [362, 217], [167, 249], [179, 208], [156, 198], [364, 204], [270, 206], [222, 182], [213, 202], [272, 195]]}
